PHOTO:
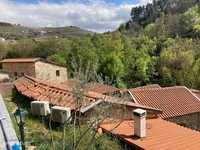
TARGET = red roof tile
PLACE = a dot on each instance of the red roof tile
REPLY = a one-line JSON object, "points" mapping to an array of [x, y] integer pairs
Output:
{"points": [[95, 87], [161, 135], [102, 88], [56, 94], [28, 60], [173, 101], [62, 95]]}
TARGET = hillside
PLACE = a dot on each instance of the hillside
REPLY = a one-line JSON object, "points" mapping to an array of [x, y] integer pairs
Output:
{"points": [[11, 31], [169, 15]]}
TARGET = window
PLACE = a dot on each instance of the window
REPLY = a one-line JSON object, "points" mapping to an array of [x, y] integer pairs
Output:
{"points": [[22, 74], [57, 73], [15, 75]]}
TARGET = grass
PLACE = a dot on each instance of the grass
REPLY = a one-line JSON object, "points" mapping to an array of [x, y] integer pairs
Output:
{"points": [[37, 131]]}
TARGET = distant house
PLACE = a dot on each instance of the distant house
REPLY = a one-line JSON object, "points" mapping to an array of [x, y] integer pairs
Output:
{"points": [[35, 67], [178, 103]]}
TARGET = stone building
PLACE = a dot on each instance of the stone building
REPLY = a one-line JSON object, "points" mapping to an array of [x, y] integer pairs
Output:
{"points": [[34, 67]]}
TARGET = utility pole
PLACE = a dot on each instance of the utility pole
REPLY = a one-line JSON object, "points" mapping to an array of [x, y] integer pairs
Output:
{"points": [[21, 128], [20, 121]]}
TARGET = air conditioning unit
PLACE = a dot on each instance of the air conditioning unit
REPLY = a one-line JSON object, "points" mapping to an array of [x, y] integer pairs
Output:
{"points": [[40, 108], [60, 114]]}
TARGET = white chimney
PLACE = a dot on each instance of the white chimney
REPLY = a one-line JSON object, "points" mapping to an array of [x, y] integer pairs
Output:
{"points": [[139, 122]]}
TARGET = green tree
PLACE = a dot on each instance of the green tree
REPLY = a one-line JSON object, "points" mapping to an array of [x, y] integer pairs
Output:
{"points": [[141, 61], [195, 72], [46, 48], [113, 68], [57, 58], [82, 60], [191, 20], [176, 61]]}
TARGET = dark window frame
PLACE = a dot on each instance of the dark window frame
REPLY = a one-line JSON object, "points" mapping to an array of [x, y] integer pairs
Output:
{"points": [[1, 66], [57, 73], [22, 74]]}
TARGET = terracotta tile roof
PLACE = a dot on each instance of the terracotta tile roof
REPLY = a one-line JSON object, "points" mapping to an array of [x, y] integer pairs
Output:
{"points": [[28, 60], [173, 101], [70, 83], [102, 88], [95, 87], [161, 135], [20, 60], [56, 94], [62, 95]]}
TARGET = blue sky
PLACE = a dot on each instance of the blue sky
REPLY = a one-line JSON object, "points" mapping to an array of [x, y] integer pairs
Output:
{"points": [[61, 1], [94, 15]]}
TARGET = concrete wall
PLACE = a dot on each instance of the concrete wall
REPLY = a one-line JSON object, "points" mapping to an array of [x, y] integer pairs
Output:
{"points": [[190, 120], [19, 68], [48, 71]]}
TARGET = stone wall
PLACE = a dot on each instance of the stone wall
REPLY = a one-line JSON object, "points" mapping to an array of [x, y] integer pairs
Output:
{"points": [[16, 70], [50, 71], [114, 112], [190, 120]]}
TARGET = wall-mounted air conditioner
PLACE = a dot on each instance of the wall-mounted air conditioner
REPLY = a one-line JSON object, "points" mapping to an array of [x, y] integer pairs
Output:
{"points": [[40, 108], [60, 114]]}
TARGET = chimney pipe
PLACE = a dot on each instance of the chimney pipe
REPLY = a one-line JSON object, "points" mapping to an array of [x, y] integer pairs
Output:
{"points": [[139, 122]]}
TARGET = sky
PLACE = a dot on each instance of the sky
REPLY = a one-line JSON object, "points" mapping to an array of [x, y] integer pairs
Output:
{"points": [[93, 15]]}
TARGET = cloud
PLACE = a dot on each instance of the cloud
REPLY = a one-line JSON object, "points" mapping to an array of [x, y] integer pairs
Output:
{"points": [[95, 15]]}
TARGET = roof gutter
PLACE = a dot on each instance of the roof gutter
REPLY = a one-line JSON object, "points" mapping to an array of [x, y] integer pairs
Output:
{"points": [[85, 109]]}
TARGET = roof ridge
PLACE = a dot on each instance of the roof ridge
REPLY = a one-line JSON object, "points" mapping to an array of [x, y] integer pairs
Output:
{"points": [[43, 82], [193, 94], [162, 88], [56, 87], [22, 58]]}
